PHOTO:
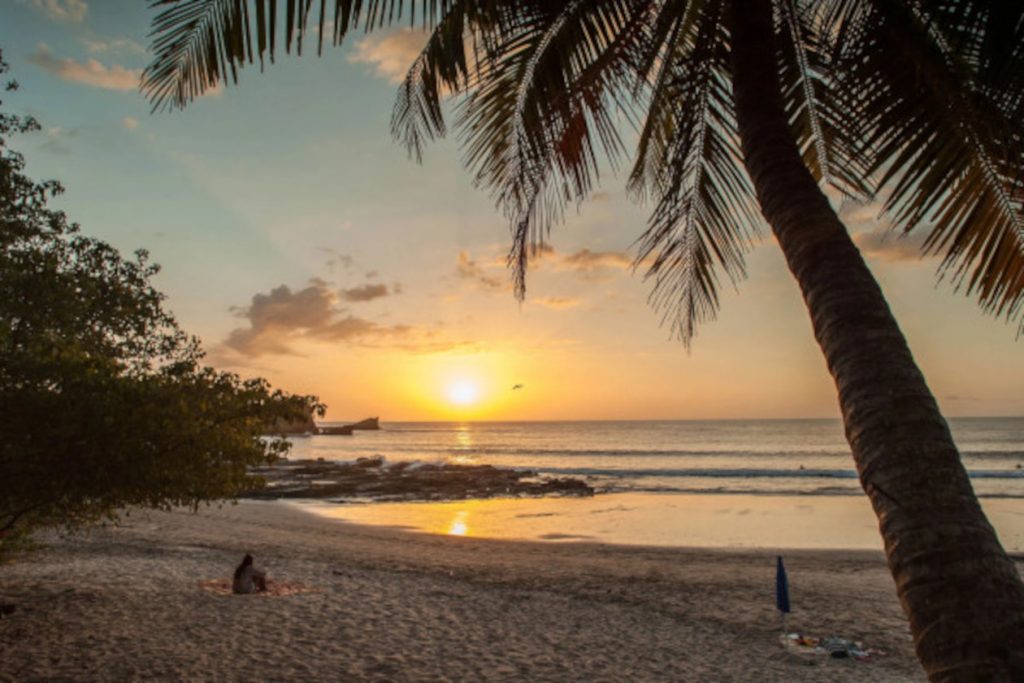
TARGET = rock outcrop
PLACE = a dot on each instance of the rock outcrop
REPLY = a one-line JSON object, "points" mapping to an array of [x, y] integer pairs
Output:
{"points": [[345, 430], [404, 481], [368, 424]]}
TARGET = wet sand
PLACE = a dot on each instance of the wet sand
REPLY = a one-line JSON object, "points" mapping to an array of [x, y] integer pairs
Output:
{"points": [[143, 601]]}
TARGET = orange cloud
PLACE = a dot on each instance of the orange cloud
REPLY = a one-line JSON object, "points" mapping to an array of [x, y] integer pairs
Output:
{"points": [[588, 261], [390, 53], [92, 72], [557, 302], [888, 245], [469, 269]]}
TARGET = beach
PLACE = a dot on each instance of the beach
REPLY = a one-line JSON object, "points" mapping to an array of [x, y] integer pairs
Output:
{"points": [[145, 600]]}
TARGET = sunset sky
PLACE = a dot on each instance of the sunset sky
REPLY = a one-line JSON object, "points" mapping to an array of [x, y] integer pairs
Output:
{"points": [[300, 243]]}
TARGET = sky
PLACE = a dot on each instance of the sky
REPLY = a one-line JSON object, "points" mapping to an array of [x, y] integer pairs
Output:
{"points": [[301, 244]]}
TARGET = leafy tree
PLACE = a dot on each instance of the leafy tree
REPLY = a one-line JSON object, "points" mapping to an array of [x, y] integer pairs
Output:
{"points": [[103, 402], [740, 106]]}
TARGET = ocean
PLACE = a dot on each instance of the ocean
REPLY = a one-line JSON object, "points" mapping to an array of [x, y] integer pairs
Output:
{"points": [[757, 457]]}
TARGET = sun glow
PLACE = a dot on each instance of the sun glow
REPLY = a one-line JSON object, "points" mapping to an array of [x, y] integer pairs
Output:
{"points": [[463, 393], [461, 387]]}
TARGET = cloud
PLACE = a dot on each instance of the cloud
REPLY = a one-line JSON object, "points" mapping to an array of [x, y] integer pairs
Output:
{"points": [[587, 261], [557, 302], [114, 45], [468, 269], [587, 264], [130, 123], [583, 261], [338, 259], [874, 234], [57, 139], [367, 292], [280, 318], [887, 245], [390, 53], [92, 72], [62, 10]]}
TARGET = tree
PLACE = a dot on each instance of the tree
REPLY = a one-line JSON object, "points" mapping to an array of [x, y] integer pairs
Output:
{"points": [[103, 401], [740, 106]]}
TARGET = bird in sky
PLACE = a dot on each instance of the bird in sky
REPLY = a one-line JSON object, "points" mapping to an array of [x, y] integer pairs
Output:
{"points": [[518, 386]]}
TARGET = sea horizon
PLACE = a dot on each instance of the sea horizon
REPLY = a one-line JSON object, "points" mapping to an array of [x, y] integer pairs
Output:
{"points": [[334, 421]]}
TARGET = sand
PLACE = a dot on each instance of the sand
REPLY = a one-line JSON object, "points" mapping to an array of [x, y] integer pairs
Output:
{"points": [[145, 601]]}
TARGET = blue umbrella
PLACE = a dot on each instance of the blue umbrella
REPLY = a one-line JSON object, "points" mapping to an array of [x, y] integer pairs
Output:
{"points": [[781, 590]]}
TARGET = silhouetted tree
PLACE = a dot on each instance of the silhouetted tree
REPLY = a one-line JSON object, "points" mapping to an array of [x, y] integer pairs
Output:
{"points": [[103, 401]]}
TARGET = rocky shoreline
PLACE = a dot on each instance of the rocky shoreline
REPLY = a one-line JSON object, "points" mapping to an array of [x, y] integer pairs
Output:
{"points": [[374, 478]]}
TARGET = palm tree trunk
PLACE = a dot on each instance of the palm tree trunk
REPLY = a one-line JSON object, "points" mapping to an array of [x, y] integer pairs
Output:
{"points": [[961, 592]]}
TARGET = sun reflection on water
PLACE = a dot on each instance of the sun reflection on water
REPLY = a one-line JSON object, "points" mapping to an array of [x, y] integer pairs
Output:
{"points": [[464, 437], [459, 527], [463, 442]]}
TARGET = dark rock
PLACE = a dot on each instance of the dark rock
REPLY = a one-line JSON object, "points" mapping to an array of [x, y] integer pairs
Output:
{"points": [[345, 430], [369, 423], [376, 479]]}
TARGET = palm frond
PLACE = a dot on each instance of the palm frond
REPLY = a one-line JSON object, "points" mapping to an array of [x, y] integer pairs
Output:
{"points": [[442, 68], [545, 108], [670, 43], [946, 137], [202, 43], [819, 123], [690, 161]]}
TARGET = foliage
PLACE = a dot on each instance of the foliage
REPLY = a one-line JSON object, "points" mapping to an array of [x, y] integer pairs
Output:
{"points": [[103, 401], [915, 103]]}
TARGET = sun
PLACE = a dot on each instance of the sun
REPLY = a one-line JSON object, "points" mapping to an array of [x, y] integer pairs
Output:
{"points": [[463, 393]]}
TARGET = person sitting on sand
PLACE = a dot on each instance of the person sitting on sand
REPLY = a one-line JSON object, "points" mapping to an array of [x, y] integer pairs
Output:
{"points": [[249, 579]]}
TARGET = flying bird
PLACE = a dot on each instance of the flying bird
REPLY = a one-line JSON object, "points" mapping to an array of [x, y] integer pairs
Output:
{"points": [[518, 386]]}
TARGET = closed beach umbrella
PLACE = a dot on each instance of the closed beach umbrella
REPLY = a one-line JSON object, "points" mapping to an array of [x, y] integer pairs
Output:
{"points": [[781, 590]]}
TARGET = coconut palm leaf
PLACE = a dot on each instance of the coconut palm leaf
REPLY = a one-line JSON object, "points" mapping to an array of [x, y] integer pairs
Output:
{"points": [[202, 43], [942, 130], [442, 66], [546, 108], [670, 42], [819, 124], [689, 160]]}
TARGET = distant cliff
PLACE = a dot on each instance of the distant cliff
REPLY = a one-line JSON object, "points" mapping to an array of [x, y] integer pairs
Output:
{"points": [[368, 423]]}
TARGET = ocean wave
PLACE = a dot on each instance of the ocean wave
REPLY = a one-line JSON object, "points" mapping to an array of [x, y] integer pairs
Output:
{"points": [[700, 472], [745, 473], [612, 452], [483, 451], [853, 490]]}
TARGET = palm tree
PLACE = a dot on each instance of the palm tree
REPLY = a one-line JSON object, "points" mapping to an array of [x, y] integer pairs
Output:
{"points": [[741, 105]]}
